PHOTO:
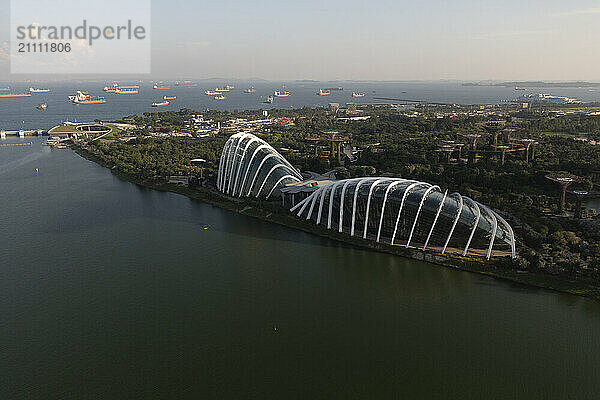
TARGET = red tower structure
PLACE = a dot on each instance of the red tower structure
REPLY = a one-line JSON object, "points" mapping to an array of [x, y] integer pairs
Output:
{"points": [[563, 181]]}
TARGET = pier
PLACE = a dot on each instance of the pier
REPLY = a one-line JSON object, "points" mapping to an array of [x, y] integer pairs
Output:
{"points": [[21, 133]]}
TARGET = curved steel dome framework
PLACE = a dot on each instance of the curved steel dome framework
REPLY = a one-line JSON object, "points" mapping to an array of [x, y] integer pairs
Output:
{"points": [[409, 213], [387, 210], [249, 166]]}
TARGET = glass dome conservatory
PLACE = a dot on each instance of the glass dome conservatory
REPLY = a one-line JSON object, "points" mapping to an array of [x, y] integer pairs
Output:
{"points": [[249, 166], [409, 213], [399, 212]]}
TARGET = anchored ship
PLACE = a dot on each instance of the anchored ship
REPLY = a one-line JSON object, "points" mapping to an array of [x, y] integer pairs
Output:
{"points": [[126, 90], [269, 100], [169, 97], [42, 106], [34, 90], [16, 95], [185, 83], [160, 104], [251, 90], [322, 92], [156, 87], [85, 98], [355, 94], [220, 97], [282, 94]]}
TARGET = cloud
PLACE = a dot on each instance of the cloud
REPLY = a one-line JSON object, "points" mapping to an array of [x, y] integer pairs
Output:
{"points": [[4, 51], [510, 34], [577, 12], [195, 44]]}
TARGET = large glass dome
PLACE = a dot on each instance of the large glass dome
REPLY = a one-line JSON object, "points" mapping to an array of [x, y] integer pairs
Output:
{"points": [[409, 213], [251, 167]]}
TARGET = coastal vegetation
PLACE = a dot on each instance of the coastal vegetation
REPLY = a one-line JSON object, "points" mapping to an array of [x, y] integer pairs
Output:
{"points": [[390, 143]]}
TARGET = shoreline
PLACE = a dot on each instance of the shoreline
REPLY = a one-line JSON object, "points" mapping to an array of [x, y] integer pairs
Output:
{"points": [[466, 264]]}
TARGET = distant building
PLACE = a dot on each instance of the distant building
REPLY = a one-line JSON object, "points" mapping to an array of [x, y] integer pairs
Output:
{"points": [[334, 107], [351, 107]]}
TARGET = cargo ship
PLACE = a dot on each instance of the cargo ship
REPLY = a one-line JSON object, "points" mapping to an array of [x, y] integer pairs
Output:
{"points": [[85, 98], [156, 87], [282, 94], [211, 93], [126, 90], [16, 95], [5, 89], [34, 90], [355, 94], [322, 92], [220, 97], [185, 83], [160, 104], [229, 87], [251, 90], [169, 97], [225, 89]]}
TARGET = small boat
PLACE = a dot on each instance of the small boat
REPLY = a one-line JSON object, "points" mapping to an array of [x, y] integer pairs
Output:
{"points": [[282, 94], [269, 100], [220, 97], [211, 93], [251, 90], [42, 106], [322, 92], [519, 88], [169, 97], [356, 94], [160, 104], [229, 87], [35, 90]]}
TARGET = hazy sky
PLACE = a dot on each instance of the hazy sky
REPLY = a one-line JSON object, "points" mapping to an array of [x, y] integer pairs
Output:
{"points": [[370, 40]]}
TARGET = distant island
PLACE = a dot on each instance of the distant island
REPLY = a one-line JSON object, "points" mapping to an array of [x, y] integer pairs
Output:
{"points": [[537, 84]]}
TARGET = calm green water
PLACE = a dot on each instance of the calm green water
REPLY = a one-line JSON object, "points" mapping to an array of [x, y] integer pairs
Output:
{"points": [[109, 290]]}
